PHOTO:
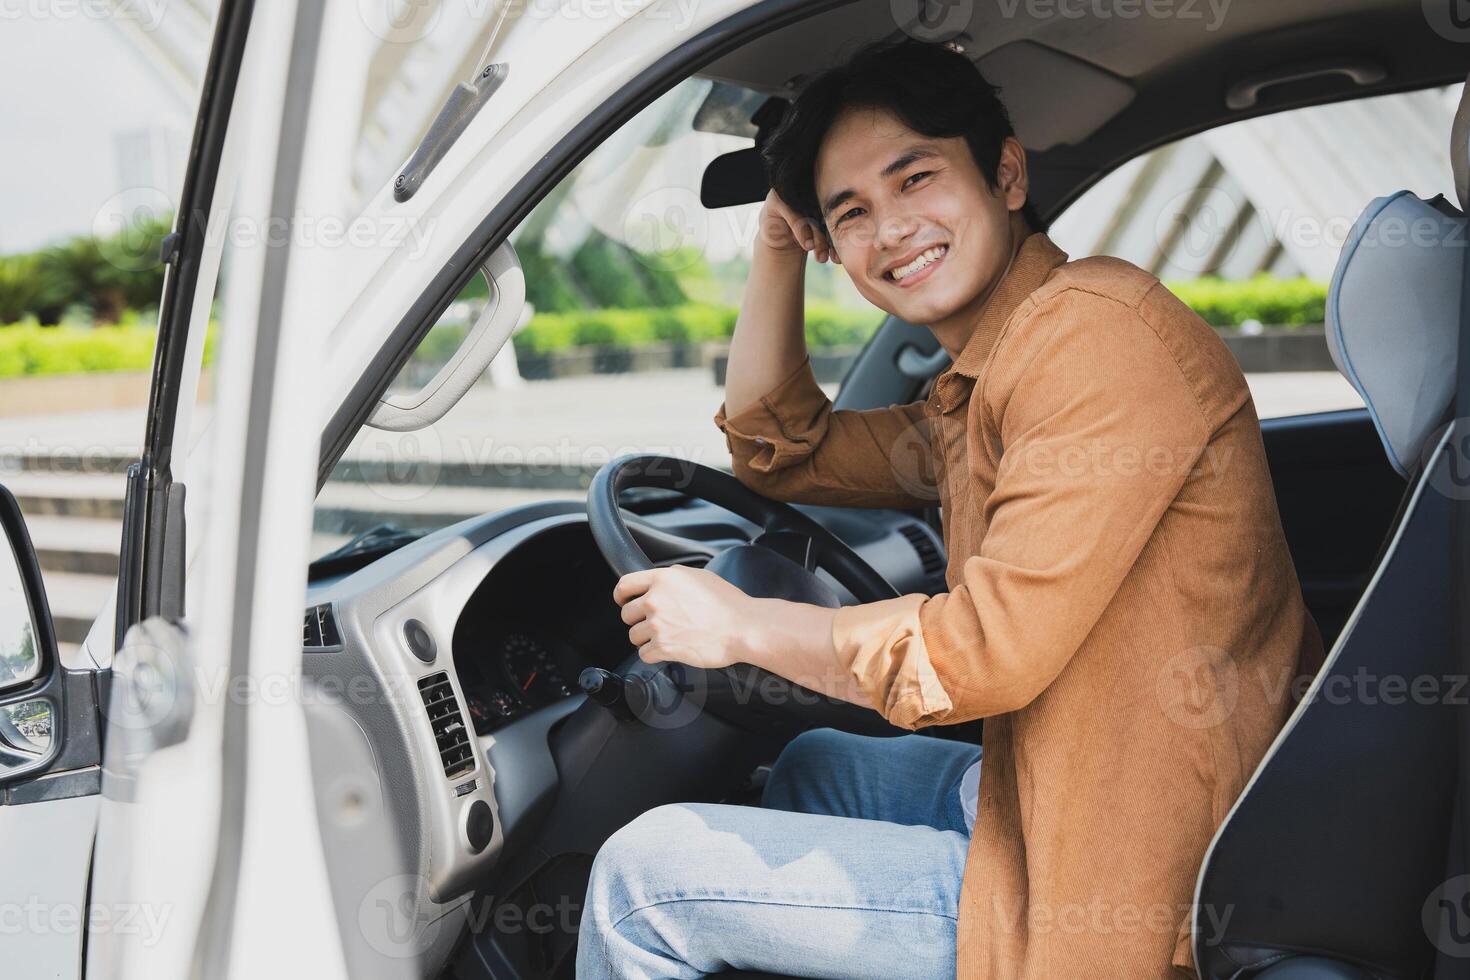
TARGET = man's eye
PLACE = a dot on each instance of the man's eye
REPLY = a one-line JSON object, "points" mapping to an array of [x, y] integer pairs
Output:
{"points": [[849, 213], [908, 181]]}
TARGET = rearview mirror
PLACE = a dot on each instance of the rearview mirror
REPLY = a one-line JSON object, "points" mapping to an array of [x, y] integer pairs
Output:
{"points": [[491, 331], [30, 694], [19, 661]]}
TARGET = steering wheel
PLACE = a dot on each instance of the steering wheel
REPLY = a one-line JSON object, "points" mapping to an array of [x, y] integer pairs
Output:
{"points": [[781, 563]]}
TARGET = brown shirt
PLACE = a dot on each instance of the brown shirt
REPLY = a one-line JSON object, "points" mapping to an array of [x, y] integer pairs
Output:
{"points": [[1122, 610]]}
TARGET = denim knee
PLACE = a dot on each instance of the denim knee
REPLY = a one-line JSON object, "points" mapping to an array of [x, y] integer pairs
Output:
{"points": [[643, 862], [807, 760]]}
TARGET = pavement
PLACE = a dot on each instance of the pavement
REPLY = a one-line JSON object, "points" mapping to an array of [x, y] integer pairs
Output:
{"points": [[497, 448]]}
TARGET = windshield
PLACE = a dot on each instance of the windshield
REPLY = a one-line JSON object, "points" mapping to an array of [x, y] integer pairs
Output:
{"points": [[632, 288]]}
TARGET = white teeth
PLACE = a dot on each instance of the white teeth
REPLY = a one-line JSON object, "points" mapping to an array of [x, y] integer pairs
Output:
{"points": [[929, 255]]}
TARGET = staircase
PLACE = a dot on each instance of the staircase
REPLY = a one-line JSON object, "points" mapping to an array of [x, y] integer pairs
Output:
{"points": [[75, 513]]}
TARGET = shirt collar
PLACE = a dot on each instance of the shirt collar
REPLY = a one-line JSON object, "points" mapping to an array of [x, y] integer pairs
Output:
{"points": [[1034, 261]]}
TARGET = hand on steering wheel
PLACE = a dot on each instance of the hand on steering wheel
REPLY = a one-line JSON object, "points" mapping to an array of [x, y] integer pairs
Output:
{"points": [[780, 563]]}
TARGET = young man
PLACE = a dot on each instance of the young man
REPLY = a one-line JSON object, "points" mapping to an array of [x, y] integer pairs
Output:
{"points": [[1122, 607]]}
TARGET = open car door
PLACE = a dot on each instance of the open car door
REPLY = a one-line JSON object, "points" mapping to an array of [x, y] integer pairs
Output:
{"points": [[149, 784]]}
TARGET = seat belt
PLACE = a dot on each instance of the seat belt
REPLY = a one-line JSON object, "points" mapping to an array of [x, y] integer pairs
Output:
{"points": [[1459, 447]]}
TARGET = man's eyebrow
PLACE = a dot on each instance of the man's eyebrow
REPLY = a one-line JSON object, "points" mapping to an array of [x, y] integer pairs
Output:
{"points": [[912, 155], [909, 156]]}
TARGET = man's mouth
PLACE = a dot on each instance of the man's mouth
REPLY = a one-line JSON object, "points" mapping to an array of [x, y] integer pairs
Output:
{"points": [[914, 269]]}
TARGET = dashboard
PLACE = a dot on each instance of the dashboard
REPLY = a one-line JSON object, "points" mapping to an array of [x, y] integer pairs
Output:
{"points": [[523, 668], [540, 617], [461, 652]]}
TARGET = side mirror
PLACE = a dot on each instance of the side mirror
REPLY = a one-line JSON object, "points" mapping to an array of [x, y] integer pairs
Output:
{"points": [[30, 675], [422, 408]]}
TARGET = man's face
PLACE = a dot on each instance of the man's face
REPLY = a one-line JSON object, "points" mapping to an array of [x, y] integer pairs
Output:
{"points": [[911, 217]]}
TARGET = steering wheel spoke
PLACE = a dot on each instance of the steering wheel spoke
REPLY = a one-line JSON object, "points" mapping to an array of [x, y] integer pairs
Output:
{"points": [[794, 545]]}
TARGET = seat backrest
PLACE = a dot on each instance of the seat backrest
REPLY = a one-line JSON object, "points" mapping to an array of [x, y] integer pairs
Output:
{"points": [[1393, 318], [1340, 839]]}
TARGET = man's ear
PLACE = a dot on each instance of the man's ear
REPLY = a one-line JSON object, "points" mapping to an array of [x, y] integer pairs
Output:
{"points": [[1011, 180]]}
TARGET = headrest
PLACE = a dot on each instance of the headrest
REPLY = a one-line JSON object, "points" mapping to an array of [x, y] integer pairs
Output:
{"points": [[1460, 148], [1393, 317]]}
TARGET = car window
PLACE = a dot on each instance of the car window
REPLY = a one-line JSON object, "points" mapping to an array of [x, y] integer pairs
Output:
{"points": [[632, 288], [1245, 223]]}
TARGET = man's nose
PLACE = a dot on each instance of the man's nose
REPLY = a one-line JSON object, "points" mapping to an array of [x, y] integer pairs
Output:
{"points": [[896, 229]]}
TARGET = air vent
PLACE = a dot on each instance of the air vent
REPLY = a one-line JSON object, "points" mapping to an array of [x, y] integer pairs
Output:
{"points": [[924, 546], [449, 731], [319, 630]]}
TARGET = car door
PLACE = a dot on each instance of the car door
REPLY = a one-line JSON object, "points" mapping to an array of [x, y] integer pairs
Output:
{"points": [[207, 811], [206, 785], [135, 867], [55, 711]]}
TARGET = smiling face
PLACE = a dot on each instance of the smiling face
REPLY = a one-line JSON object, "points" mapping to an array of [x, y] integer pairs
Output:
{"points": [[914, 222]]}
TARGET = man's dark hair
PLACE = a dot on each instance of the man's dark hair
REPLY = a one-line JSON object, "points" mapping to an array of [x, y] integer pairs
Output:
{"points": [[930, 88]]}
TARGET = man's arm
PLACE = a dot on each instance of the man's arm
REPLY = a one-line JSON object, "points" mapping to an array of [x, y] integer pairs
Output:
{"points": [[769, 342], [1100, 432], [1100, 429], [786, 441], [693, 616]]}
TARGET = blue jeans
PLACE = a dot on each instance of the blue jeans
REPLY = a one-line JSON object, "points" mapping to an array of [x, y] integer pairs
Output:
{"points": [[851, 869]]}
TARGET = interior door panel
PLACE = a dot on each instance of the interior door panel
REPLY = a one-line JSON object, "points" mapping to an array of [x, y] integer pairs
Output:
{"points": [[1338, 496]]}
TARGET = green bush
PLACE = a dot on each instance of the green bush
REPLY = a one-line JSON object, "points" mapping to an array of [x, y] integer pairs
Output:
{"points": [[29, 349], [690, 323], [549, 287], [837, 326], [103, 277], [30, 288], [827, 326], [613, 275], [1270, 301]]}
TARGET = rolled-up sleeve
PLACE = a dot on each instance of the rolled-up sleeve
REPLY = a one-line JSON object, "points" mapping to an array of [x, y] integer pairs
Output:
{"points": [[792, 445], [1100, 430]]}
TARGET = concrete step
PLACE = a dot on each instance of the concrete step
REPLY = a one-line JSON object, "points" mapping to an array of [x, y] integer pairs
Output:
{"points": [[342, 508], [92, 496], [75, 522], [349, 508], [75, 600], [353, 469], [75, 544]]}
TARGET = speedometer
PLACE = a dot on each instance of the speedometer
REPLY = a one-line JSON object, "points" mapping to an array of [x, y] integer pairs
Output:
{"points": [[532, 669]]}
